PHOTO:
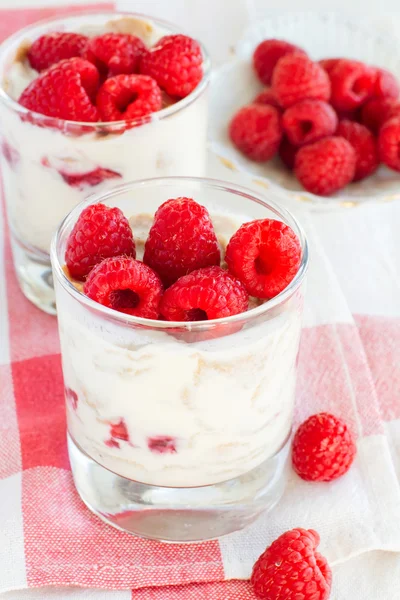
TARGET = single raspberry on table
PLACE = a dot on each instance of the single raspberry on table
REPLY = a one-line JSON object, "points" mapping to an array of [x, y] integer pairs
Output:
{"points": [[125, 97], [386, 85], [115, 53], [287, 153], [267, 96], [389, 143], [176, 63], [205, 294], [352, 84], [326, 166], [126, 285], [267, 54], [328, 64], [265, 256], [181, 239], [100, 232], [256, 131], [296, 78], [365, 146], [308, 121], [50, 48], [65, 91], [379, 110], [292, 569], [323, 448]]}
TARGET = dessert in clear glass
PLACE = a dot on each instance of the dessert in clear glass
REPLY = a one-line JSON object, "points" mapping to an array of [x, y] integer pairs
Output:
{"points": [[50, 164], [179, 430]]}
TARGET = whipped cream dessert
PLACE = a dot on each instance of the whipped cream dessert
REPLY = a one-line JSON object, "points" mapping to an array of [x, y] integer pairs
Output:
{"points": [[48, 170], [171, 410]]}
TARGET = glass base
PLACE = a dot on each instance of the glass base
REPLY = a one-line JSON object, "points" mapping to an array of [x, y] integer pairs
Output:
{"points": [[178, 514], [34, 274]]}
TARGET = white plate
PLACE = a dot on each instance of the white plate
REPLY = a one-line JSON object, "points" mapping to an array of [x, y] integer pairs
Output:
{"points": [[235, 84]]}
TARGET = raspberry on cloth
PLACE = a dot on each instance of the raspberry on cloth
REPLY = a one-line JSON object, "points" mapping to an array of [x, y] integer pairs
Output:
{"points": [[348, 365]]}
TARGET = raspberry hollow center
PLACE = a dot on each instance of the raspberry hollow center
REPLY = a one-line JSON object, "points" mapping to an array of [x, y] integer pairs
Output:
{"points": [[197, 314], [125, 98], [124, 299], [263, 266]]}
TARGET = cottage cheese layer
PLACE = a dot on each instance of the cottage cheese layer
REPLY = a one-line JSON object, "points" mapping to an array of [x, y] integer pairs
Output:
{"points": [[173, 410], [40, 164]]}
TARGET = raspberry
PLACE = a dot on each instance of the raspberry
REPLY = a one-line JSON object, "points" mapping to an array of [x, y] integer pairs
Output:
{"points": [[291, 569], [128, 97], [363, 142], [118, 432], [267, 54], [162, 444], [379, 110], [256, 131], [71, 397], [82, 180], [205, 294], [126, 285], [64, 91], [175, 62], [265, 256], [53, 47], [352, 84], [296, 78], [267, 96], [100, 232], [308, 121], [325, 166], [10, 153], [323, 448], [287, 153], [328, 64], [115, 53], [389, 143], [386, 85], [181, 239]]}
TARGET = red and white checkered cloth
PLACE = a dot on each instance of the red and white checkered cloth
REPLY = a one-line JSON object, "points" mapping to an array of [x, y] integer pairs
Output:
{"points": [[350, 365]]}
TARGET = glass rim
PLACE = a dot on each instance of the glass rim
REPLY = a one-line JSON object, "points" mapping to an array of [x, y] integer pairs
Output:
{"points": [[154, 324], [63, 124]]}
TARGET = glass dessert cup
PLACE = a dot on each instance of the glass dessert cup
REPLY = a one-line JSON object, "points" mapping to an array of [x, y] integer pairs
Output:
{"points": [[50, 165], [179, 431]]}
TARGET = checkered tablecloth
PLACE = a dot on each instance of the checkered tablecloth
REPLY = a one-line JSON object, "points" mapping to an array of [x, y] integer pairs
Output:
{"points": [[349, 364]]}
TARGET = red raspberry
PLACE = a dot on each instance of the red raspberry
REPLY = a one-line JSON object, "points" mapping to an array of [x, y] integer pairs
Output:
{"points": [[53, 47], [115, 53], [256, 131], [386, 85], [100, 232], [90, 178], [389, 143], [118, 432], [379, 110], [126, 285], [325, 166], [364, 144], [267, 96], [205, 294], [352, 84], [308, 121], [265, 256], [71, 397], [296, 78], [176, 63], [287, 153], [64, 91], [328, 64], [181, 239], [162, 444], [267, 54], [291, 569], [323, 448], [128, 97]]}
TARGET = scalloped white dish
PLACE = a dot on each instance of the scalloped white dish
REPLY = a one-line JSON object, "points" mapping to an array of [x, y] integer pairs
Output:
{"points": [[235, 84]]}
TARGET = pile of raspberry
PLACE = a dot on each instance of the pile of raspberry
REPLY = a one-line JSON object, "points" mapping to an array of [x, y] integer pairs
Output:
{"points": [[184, 275], [109, 77], [331, 122]]}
